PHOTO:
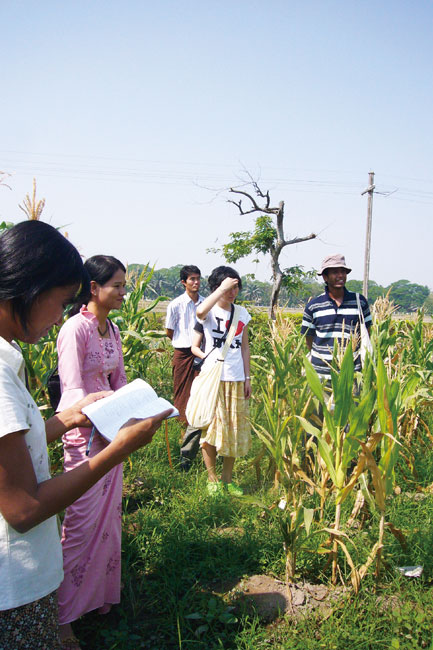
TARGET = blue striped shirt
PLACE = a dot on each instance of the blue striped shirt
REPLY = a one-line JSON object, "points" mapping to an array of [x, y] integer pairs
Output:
{"points": [[325, 321]]}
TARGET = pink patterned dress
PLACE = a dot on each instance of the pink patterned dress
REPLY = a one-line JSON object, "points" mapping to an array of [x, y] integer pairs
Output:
{"points": [[91, 533]]}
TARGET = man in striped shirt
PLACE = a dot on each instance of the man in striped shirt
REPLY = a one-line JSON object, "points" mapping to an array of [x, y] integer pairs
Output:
{"points": [[332, 315]]}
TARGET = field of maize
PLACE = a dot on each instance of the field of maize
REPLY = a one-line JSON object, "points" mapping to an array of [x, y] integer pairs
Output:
{"points": [[338, 492]]}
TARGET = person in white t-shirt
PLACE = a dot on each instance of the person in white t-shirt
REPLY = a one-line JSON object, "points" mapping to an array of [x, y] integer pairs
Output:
{"points": [[229, 434], [179, 324], [40, 273]]}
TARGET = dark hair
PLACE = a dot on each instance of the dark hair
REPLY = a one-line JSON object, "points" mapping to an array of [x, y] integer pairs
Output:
{"points": [[221, 273], [188, 270], [35, 257], [100, 269]]}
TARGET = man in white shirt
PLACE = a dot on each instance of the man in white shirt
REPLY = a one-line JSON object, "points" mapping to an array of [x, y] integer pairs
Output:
{"points": [[180, 321]]}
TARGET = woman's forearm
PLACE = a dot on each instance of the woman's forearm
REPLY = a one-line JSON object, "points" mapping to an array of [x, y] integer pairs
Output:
{"points": [[55, 494], [25, 503], [196, 345], [197, 352], [72, 417], [245, 349], [58, 424], [204, 307]]}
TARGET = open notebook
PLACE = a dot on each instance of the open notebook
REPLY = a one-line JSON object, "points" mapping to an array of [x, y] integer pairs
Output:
{"points": [[135, 400]]}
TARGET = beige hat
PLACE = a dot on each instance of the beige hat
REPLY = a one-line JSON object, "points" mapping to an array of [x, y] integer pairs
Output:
{"points": [[334, 261]]}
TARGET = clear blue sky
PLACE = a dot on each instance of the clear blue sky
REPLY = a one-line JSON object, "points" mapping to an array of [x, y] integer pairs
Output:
{"points": [[134, 115]]}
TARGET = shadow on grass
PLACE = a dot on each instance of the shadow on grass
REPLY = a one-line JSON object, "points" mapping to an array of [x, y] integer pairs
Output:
{"points": [[169, 563]]}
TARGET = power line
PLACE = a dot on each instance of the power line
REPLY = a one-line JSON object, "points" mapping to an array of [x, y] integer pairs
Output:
{"points": [[80, 167]]}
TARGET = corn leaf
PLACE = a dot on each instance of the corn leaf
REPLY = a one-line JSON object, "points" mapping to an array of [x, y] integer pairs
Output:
{"points": [[354, 574], [343, 389], [308, 518], [376, 477], [324, 448], [313, 380]]}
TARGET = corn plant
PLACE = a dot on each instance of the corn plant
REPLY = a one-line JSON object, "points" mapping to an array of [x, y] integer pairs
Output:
{"points": [[345, 424], [40, 359], [408, 350], [138, 342], [360, 432], [282, 394], [418, 348]]}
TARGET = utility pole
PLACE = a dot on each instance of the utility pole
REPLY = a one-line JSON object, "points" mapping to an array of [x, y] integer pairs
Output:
{"points": [[369, 190]]}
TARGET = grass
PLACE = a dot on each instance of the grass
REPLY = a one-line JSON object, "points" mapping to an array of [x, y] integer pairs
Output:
{"points": [[183, 550]]}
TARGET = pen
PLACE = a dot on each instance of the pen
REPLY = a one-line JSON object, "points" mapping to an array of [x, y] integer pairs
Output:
{"points": [[89, 444]]}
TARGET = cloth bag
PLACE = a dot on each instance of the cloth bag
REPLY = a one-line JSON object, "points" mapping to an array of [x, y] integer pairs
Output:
{"points": [[200, 408], [365, 342]]}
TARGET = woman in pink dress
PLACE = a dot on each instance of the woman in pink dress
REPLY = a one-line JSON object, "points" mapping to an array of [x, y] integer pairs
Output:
{"points": [[40, 274], [90, 359]]}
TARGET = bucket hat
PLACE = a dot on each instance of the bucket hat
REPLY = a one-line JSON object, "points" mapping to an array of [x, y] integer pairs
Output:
{"points": [[334, 261]]}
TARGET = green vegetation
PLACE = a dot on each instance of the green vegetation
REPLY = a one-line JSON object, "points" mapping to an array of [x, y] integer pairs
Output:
{"points": [[297, 287], [336, 492]]}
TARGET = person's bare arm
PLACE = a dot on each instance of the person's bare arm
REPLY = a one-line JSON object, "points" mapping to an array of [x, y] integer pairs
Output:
{"points": [[245, 349], [169, 333], [197, 338], [204, 307], [25, 503], [309, 341], [71, 417]]}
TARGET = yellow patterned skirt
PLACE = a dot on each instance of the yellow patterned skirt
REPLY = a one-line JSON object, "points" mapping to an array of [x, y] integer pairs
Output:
{"points": [[230, 430]]}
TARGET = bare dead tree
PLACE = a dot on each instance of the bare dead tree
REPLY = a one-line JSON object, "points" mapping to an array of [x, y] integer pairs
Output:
{"points": [[268, 236]]}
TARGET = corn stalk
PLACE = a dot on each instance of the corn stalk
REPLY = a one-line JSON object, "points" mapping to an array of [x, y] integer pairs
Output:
{"points": [[283, 393]]}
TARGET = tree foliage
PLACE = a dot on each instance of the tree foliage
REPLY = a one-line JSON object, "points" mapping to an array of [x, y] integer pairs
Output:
{"points": [[374, 290], [297, 287], [428, 305], [266, 237], [259, 240], [408, 296]]}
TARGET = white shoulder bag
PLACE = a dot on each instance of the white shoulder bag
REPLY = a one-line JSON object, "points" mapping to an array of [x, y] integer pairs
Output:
{"points": [[365, 342], [200, 409]]}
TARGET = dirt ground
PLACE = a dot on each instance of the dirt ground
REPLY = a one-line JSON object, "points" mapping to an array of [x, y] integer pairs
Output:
{"points": [[270, 599]]}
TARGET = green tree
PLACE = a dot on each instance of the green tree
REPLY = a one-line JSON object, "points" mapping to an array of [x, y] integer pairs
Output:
{"points": [[428, 304], [301, 295], [408, 296], [164, 282], [267, 237], [374, 290], [255, 291]]}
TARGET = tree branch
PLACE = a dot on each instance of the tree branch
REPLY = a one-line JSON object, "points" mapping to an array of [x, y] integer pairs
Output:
{"points": [[256, 207], [297, 240]]}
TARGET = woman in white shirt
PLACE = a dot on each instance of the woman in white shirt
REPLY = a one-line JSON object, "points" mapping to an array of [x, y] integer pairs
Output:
{"points": [[40, 273], [229, 434]]}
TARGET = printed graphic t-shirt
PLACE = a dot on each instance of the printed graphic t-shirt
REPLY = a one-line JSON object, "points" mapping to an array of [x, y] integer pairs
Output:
{"points": [[214, 326]]}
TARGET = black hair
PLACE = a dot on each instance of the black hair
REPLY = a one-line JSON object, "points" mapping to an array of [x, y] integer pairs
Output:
{"points": [[188, 270], [221, 273], [35, 257], [100, 269]]}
